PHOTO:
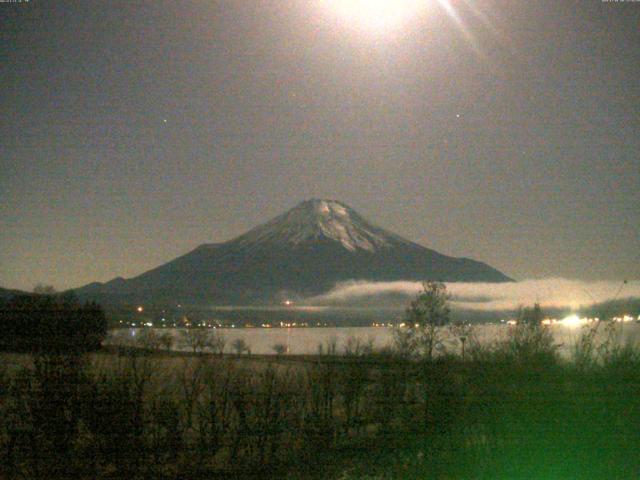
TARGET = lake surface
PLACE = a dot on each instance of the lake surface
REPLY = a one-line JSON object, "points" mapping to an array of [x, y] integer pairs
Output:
{"points": [[307, 340]]}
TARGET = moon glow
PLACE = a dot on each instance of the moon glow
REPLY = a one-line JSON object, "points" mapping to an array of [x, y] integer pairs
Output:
{"points": [[375, 15]]}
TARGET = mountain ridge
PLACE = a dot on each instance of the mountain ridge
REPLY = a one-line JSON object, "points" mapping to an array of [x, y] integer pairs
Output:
{"points": [[302, 252]]}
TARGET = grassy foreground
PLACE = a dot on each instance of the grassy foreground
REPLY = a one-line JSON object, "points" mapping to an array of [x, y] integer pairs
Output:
{"points": [[512, 410]]}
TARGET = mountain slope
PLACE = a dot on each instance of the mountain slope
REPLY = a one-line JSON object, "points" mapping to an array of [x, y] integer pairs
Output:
{"points": [[304, 251]]}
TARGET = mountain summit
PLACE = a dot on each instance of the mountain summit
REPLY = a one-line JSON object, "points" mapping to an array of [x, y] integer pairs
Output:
{"points": [[317, 220], [305, 251]]}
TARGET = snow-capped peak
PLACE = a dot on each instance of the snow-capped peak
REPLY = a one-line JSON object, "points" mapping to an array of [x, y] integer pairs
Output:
{"points": [[321, 219]]}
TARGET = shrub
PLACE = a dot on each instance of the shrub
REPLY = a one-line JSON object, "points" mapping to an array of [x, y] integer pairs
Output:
{"points": [[529, 340]]}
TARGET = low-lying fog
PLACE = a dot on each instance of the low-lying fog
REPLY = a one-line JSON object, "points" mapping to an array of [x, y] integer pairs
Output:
{"points": [[555, 293]]}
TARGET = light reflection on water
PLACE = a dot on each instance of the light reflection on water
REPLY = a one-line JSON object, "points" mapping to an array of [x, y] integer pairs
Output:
{"points": [[306, 340]]}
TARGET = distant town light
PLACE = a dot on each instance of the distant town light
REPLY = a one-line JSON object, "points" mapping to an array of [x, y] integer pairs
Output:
{"points": [[140, 309], [572, 320]]}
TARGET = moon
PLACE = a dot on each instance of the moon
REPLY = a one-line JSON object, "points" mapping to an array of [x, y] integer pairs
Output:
{"points": [[375, 15]]}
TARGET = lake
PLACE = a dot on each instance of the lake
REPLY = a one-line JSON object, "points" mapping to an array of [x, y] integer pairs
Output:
{"points": [[306, 340]]}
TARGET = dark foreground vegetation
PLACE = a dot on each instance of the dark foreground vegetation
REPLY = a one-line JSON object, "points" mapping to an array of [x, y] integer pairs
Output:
{"points": [[51, 324], [509, 410]]}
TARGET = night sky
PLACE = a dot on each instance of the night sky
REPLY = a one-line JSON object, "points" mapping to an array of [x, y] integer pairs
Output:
{"points": [[505, 131]]}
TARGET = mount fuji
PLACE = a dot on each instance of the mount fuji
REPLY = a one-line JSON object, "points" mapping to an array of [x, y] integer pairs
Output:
{"points": [[303, 252]]}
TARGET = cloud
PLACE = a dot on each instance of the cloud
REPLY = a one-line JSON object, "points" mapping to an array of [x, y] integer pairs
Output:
{"points": [[550, 293]]}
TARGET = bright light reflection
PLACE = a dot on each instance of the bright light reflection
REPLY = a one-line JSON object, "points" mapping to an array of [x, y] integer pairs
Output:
{"points": [[375, 14], [572, 320]]}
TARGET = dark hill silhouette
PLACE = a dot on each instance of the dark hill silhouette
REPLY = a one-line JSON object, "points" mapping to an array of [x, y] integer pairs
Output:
{"points": [[6, 294]]}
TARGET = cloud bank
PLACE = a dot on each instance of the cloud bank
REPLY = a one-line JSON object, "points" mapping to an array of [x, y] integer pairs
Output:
{"points": [[550, 293]]}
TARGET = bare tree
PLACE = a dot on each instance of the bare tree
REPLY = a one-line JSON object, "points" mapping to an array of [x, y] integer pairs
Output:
{"points": [[190, 378], [332, 345], [240, 346], [196, 339], [217, 342], [167, 340], [427, 313], [405, 341], [279, 348], [148, 339], [354, 346]]}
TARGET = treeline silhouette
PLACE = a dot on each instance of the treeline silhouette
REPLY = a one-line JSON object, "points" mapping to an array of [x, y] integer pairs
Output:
{"points": [[51, 324]]}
